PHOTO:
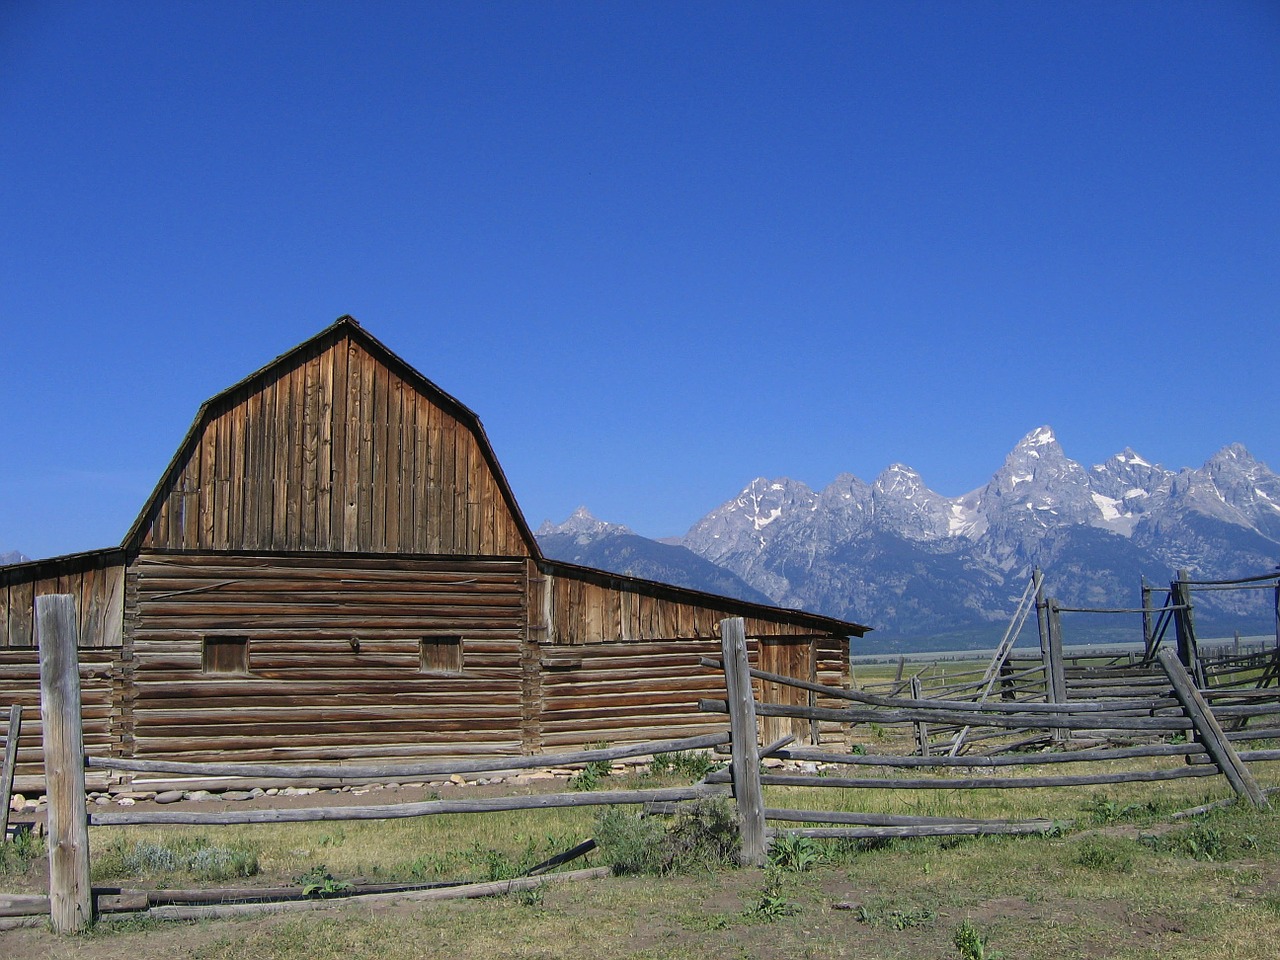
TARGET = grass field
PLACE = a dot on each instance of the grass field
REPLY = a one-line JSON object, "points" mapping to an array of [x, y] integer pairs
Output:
{"points": [[1120, 879]]}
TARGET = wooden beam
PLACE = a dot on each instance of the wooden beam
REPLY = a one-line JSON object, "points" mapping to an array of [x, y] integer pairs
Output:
{"points": [[12, 732], [1211, 734], [746, 748], [398, 811], [70, 895]]}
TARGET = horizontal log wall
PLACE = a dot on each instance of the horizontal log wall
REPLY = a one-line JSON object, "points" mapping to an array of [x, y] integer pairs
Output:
{"points": [[20, 684], [96, 583], [334, 658], [623, 692], [627, 691], [334, 451]]}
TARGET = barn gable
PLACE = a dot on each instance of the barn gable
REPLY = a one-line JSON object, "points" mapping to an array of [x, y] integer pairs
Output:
{"points": [[337, 445]]}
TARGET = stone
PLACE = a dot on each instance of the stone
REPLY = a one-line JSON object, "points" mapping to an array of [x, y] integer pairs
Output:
{"points": [[236, 796], [457, 779], [17, 802], [169, 796], [125, 801]]}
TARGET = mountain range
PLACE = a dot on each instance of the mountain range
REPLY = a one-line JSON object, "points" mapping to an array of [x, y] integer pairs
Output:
{"points": [[929, 570]]}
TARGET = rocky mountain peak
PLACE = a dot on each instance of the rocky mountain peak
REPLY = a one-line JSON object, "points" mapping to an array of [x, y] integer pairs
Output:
{"points": [[581, 523]]}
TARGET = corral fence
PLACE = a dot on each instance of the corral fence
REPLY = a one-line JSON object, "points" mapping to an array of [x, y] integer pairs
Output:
{"points": [[1157, 706]]}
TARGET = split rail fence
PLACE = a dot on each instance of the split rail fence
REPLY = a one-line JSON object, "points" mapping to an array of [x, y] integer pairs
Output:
{"points": [[1144, 704]]}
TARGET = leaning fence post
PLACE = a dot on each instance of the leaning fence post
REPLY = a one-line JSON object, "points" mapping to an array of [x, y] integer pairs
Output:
{"points": [[70, 895], [746, 748], [12, 732], [1210, 731]]}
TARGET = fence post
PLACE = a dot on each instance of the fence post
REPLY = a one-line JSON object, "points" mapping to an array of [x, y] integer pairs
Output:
{"points": [[1147, 634], [746, 748], [70, 895], [12, 732], [1184, 626], [921, 728], [1056, 681], [1211, 735]]}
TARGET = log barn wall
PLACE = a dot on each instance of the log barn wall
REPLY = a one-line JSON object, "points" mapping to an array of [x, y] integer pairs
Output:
{"points": [[333, 567], [334, 659], [621, 657], [99, 692]]}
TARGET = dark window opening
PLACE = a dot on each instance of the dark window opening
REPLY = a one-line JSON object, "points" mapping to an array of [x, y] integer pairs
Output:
{"points": [[225, 655], [441, 654]]}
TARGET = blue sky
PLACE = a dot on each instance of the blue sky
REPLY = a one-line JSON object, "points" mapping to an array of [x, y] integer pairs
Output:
{"points": [[660, 249]]}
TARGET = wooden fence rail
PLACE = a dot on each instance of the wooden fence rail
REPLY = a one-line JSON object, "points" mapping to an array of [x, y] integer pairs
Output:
{"points": [[1134, 702]]}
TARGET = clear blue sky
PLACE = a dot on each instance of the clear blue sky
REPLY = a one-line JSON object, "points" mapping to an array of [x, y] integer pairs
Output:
{"points": [[660, 249]]}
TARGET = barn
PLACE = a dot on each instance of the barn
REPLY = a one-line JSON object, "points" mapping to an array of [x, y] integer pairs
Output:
{"points": [[333, 567]]}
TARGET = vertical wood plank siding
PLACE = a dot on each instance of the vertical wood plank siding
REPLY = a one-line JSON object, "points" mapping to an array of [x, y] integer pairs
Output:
{"points": [[597, 609], [334, 657], [96, 582], [335, 452]]}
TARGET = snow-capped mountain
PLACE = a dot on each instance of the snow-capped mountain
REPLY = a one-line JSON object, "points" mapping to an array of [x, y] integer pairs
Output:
{"points": [[13, 556], [898, 556], [583, 539]]}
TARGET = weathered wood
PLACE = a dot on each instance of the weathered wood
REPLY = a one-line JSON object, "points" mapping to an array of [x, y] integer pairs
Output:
{"points": [[919, 727], [70, 894], [992, 718], [1184, 628], [746, 755], [402, 771], [1210, 732], [465, 891], [890, 819], [922, 830], [398, 811], [862, 696], [1004, 760], [973, 783], [13, 733]]}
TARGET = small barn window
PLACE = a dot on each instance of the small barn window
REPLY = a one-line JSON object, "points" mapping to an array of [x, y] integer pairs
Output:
{"points": [[225, 655], [441, 654]]}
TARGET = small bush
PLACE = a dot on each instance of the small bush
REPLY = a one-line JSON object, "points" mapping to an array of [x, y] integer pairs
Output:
{"points": [[318, 883], [772, 903], [704, 834], [972, 943], [878, 914], [795, 854], [1200, 842], [1101, 854], [191, 855], [17, 856], [1103, 810], [685, 763]]}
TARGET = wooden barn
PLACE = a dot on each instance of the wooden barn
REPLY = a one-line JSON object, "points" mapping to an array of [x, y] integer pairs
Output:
{"points": [[333, 567]]}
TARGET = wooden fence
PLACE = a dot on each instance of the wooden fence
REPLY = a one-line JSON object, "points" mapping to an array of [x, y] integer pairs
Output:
{"points": [[1159, 707]]}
